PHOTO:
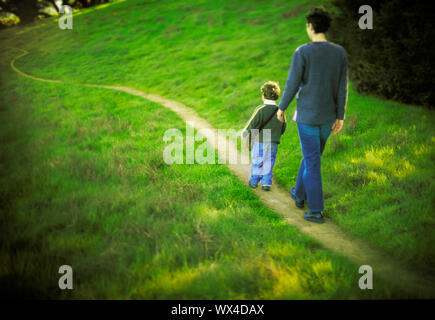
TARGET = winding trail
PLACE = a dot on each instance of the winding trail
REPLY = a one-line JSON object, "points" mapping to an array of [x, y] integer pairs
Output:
{"points": [[331, 236]]}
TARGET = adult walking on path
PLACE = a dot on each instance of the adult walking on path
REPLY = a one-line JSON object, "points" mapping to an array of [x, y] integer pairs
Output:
{"points": [[318, 78]]}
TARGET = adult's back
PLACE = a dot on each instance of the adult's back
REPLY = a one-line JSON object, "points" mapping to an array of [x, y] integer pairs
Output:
{"points": [[318, 78], [318, 74]]}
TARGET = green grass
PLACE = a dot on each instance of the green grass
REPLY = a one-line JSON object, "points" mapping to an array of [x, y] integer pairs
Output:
{"points": [[84, 184], [83, 181]]}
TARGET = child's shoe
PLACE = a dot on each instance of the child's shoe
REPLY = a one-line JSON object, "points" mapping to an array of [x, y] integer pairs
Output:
{"points": [[265, 188], [253, 186]]}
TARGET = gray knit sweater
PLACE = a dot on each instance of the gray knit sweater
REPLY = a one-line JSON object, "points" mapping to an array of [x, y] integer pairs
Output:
{"points": [[318, 78]]}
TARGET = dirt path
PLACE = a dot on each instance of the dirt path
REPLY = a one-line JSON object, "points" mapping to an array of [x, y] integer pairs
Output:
{"points": [[328, 234]]}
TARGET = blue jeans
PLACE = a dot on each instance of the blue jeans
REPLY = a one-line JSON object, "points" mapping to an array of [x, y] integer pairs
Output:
{"points": [[309, 182], [263, 155]]}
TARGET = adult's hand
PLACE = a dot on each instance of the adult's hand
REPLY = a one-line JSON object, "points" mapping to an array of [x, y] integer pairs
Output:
{"points": [[281, 115], [337, 126]]}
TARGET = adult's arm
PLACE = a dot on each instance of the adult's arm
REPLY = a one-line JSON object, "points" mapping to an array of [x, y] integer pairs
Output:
{"points": [[293, 80], [342, 90]]}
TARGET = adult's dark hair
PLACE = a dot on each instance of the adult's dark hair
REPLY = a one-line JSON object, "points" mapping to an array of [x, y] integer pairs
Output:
{"points": [[319, 19]]}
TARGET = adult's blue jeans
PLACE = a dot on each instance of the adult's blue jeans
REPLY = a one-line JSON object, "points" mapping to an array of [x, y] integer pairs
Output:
{"points": [[263, 155], [309, 182]]}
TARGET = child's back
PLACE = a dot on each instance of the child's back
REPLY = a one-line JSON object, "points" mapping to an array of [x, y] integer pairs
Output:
{"points": [[267, 130], [265, 121]]}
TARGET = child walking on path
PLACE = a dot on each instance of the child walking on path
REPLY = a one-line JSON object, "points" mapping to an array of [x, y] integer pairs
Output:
{"points": [[265, 130]]}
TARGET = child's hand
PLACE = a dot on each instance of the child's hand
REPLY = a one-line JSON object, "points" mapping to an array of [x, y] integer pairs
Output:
{"points": [[281, 115]]}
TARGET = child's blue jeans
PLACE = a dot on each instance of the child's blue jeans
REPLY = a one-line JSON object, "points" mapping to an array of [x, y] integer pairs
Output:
{"points": [[309, 182], [263, 155]]}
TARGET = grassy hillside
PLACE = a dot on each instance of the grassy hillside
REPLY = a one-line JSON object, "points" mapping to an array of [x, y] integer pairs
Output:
{"points": [[84, 184], [82, 172]]}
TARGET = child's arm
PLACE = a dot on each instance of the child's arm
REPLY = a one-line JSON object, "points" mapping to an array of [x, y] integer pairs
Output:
{"points": [[256, 120], [254, 123]]}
